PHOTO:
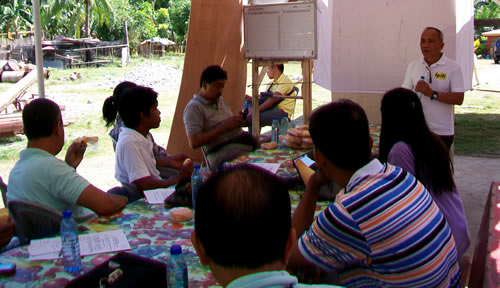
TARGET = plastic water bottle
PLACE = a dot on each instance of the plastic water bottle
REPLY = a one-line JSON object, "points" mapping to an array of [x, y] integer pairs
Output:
{"points": [[196, 181], [419, 94], [275, 130], [70, 244], [177, 272], [284, 126]]}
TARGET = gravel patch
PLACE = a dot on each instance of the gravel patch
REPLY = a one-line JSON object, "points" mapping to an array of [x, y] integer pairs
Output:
{"points": [[155, 75]]}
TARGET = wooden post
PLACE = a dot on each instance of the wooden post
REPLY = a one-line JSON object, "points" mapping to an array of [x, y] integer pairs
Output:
{"points": [[125, 36], [255, 99], [307, 89], [258, 77]]}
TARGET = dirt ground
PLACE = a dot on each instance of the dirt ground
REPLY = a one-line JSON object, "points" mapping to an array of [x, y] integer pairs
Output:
{"points": [[473, 177]]}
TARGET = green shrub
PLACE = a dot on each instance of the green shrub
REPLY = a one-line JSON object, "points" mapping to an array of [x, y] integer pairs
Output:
{"points": [[482, 50]]}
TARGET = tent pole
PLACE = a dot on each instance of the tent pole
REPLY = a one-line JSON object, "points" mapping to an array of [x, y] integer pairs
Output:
{"points": [[38, 48]]}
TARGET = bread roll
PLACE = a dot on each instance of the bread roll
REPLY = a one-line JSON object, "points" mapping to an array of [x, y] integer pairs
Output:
{"points": [[180, 214], [269, 145], [86, 139], [307, 140], [298, 132]]}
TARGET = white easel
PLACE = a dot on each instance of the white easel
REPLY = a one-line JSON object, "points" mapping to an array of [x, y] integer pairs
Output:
{"points": [[257, 78]]}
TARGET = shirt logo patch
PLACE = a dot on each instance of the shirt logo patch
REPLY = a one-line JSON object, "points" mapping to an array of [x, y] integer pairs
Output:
{"points": [[440, 75]]}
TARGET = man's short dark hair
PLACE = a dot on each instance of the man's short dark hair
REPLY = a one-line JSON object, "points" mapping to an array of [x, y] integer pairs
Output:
{"points": [[243, 217], [340, 131], [40, 118], [280, 67], [211, 74], [134, 101]]}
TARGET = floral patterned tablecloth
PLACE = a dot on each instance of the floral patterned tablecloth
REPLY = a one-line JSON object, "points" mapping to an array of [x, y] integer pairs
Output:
{"points": [[150, 233]]}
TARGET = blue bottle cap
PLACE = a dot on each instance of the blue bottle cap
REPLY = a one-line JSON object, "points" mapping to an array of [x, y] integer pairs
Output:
{"points": [[275, 118], [175, 250], [67, 214], [196, 166]]}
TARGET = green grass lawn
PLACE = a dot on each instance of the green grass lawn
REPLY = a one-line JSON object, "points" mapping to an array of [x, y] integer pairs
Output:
{"points": [[477, 124]]}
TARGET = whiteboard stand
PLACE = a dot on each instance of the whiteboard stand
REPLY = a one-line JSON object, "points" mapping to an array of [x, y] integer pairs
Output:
{"points": [[275, 34], [257, 78]]}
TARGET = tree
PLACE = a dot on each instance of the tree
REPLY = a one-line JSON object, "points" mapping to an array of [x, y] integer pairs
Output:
{"points": [[16, 14], [179, 18], [486, 10], [101, 12], [69, 16]]}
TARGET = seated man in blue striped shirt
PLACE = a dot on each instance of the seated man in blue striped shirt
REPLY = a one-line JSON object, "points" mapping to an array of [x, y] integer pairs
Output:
{"points": [[384, 229]]}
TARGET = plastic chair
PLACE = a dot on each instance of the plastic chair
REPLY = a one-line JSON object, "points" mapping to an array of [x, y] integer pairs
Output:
{"points": [[205, 156], [34, 221]]}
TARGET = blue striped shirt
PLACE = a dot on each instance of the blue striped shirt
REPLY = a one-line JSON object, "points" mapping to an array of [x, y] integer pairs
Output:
{"points": [[384, 230]]}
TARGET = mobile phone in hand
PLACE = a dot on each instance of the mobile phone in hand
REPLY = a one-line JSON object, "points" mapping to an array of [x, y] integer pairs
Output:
{"points": [[7, 268], [308, 159]]}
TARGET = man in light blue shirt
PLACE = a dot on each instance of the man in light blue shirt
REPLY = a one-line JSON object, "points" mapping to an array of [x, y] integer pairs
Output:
{"points": [[40, 177], [243, 228]]}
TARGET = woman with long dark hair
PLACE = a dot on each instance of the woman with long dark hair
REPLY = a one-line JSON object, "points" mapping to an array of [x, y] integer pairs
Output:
{"points": [[407, 142]]}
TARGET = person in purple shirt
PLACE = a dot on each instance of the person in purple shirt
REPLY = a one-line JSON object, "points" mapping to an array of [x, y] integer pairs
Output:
{"points": [[407, 142]]}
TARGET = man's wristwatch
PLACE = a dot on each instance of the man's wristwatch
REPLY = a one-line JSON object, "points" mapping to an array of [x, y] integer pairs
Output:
{"points": [[434, 95]]}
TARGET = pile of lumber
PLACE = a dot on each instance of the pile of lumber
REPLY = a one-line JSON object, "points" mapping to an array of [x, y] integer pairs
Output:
{"points": [[24, 76], [12, 124], [13, 71]]}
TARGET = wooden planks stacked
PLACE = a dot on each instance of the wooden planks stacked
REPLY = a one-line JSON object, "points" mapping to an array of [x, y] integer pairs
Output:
{"points": [[12, 124]]}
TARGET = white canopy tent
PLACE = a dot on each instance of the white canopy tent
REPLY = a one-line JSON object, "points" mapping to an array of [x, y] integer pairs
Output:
{"points": [[365, 47]]}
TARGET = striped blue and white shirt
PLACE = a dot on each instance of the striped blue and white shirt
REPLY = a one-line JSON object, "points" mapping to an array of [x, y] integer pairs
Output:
{"points": [[383, 230]]}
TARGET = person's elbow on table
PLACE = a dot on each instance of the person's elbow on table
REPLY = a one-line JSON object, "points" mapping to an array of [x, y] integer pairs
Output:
{"points": [[100, 202]]}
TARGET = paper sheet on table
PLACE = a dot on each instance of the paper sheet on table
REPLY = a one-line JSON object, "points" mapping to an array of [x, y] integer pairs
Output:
{"points": [[157, 196], [95, 243], [272, 167]]}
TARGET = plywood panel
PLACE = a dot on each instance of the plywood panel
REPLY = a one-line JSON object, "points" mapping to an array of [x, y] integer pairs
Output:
{"points": [[214, 37]]}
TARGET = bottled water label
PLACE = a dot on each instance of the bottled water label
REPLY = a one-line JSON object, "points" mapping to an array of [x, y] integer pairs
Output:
{"points": [[71, 252]]}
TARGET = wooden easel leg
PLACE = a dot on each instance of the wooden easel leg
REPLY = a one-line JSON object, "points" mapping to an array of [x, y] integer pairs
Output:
{"points": [[307, 89], [255, 99]]}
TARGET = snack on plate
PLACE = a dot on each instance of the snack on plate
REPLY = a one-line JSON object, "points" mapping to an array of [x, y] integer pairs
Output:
{"points": [[294, 140], [303, 127], [304, 145], [269, 145], [187, 162], [307, 140], [296, 147], [298, 132], [89, 140], [181, 214]]}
